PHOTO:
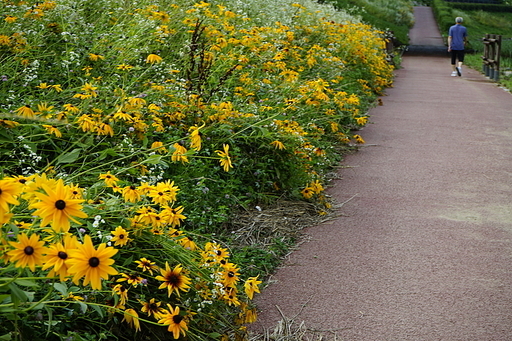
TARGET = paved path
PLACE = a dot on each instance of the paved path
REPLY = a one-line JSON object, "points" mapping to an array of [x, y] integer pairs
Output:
{"points": [[424, 251]]}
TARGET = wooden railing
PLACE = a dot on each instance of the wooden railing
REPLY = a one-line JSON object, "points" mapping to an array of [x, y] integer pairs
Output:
{"points": [[491, 57]]}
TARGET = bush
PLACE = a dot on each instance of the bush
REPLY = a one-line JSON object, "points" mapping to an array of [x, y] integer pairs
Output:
{"points": [[132, 131]]}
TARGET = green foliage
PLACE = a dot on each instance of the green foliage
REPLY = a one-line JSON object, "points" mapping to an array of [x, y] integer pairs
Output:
{"points": [[395, 16]]}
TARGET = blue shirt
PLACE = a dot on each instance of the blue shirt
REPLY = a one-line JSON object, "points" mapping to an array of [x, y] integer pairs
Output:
{"points": [[458, 33]]}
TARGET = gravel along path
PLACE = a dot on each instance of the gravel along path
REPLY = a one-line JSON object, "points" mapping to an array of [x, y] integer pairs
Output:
{"points": [[423, 248]]}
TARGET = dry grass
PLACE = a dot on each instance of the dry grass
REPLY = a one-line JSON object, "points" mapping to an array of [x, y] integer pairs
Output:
{"points": [[290, 330]]}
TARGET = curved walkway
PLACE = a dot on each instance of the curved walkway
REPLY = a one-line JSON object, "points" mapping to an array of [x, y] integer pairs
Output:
{"points": [[423, 250]]}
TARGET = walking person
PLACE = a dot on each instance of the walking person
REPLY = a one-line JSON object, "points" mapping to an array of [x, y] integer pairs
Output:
{"points": [[457, 38]]}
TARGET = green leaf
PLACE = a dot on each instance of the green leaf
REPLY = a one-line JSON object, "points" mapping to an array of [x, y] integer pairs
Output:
{"points": [[83, 306], [62, 288], [25, 282], [3, 297], [17, 295], [6, 337], [98, 310], [69, 157], [127, 261], [107, 152], [214, 335], [153, 159], [50, 319]]}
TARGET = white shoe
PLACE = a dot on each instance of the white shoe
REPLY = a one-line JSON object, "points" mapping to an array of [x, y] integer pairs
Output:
{"points": [[454, 74], [459, 71]]}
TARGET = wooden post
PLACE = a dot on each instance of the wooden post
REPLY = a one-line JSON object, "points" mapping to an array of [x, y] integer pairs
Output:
{"points": [[497, 58]]}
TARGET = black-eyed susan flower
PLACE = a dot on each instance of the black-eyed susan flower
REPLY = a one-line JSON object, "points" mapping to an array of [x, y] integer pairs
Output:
{"points": [[251, 286], [121, 292], [307, 192], [163, 193], [28, 251], [153, 59], [131, 194], [120, 236], [359, 139], [132, 318], [110, 179], [173, 215], [195, 137], [146, 265], [225, 159], [57, 256], [132, 278], [173, 280], [278, 145], [179, 153], [51, 129], [230, 274], [25, 111], [158, 147], [9, 191], [152, 308], [188, 243], [177, 323], [90, 263], [57, 207]]}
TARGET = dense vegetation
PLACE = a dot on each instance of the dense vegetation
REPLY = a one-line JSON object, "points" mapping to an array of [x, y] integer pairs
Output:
{"points": [[132, 131]]}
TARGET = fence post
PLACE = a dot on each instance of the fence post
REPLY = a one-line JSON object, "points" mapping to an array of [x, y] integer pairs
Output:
{"points": [[491, 57], [497, 58]]}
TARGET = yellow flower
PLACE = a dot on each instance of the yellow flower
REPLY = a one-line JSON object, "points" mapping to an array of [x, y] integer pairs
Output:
{"points": [[9, 190], [124, 67], [176, 322], [25, 111], [27, 251], [359, 139], [153, 58], [195, 137], [146, 265], [122, 292], [164, 193], [278, 145], [131, 194], [225, 159], [179, 153], [158, 147], [57, 256], [120, 236], [93, 264], [52, 130], [110, 179], [95, 57], [251, 286], [307, 192], [57, 207], [132, 279], [132, 318], [173, 279], [153, 308]]}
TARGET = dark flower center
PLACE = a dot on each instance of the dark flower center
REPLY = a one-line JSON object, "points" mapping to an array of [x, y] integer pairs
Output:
{"points": [[94, 262], [177, 319], [29, 250], [22, 181], [174, 279], [160, 193], [231, 274], [121, 236], [0, 191], [62, 255], [132, 188], [60, 204]]}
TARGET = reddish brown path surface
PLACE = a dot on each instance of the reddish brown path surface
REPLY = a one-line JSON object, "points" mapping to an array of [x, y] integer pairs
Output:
{"points": [[424, 249]]}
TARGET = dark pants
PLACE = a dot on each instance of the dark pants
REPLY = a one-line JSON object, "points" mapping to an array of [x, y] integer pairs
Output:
{"points": [[457, 54]]}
